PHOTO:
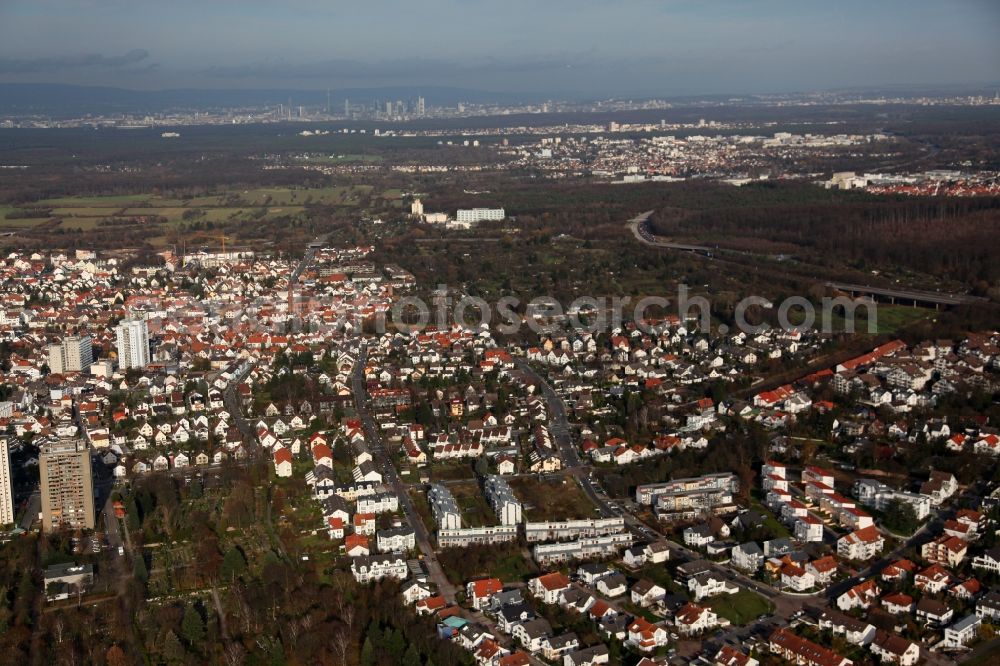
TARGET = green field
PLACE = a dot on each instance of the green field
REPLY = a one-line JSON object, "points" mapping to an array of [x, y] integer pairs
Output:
{"points": [[19, 222], [888, 318], [85, 211], [256, 197], [743, 607], [123, 199]]}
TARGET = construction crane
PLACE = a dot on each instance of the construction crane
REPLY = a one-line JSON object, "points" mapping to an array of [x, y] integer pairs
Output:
{"points": [[222, 238]]}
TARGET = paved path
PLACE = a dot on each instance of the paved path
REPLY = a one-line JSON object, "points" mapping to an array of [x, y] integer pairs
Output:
{"points": [[32, 510]]}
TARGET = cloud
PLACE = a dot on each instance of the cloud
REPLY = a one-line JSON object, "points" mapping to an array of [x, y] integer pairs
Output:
{"points": [[60, 63]]}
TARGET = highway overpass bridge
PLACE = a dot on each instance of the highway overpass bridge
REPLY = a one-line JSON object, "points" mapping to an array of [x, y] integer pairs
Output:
{"points": [[903, 296]]}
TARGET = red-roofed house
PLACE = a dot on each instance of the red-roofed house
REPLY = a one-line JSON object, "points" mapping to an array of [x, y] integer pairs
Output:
{"points": [[646, 636], [479, 592], [549, 587], [862, 544], [356, 545], [282, 462]]}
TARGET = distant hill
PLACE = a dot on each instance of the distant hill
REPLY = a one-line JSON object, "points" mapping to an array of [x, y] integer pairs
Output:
{"points": [[62, 100]]}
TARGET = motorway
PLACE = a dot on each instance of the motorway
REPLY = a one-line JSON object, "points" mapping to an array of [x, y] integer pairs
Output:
{"points": [[936, 299]]}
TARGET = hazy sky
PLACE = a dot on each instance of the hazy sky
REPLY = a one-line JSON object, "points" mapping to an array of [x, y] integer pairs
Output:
{"points": [[598, 47]]}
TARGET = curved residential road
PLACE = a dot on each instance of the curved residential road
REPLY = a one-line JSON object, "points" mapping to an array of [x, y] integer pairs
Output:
{"points": [[560, 430]]}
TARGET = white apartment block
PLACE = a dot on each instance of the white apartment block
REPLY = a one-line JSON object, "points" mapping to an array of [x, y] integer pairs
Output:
{"points": [[571, 529], [581, 549], [468, 536], [444, 507], [378, 503], [396, 539], [704, 490], [73, 354], [878, 495], [377, 567], [474, 215], [133, 343], [505, 504]]}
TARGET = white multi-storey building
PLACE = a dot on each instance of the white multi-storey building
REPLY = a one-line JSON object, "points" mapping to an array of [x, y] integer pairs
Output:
{"points": [[74, 354], [445, 508], [396, 539], [376, 567], [571, 529], [474, 215], [505, 504], [878, 495], [133, 343], [468, 536], [581, 549]]}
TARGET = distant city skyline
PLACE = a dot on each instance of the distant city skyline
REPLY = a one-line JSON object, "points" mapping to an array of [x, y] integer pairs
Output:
{"points": [[563, 47]]}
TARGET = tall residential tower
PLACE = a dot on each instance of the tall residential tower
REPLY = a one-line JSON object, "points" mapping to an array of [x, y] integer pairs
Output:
{"points": [[73, 354], [133, 343], [6, 486], [67, 485]]}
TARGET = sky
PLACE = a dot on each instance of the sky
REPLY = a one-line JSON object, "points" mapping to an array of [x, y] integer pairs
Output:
{"points": [[594, 48]]}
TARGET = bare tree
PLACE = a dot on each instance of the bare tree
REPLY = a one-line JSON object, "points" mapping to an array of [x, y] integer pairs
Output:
{"points": [[341, 642], [234, 654]]}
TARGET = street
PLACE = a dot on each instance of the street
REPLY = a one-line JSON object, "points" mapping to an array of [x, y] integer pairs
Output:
{"points": [[376, 448]]}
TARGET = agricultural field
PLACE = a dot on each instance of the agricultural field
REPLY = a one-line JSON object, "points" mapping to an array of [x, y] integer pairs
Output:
{"points": [[87, 213], [246, 214]]}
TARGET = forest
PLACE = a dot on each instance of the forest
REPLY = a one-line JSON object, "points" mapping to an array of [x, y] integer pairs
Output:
{"points": [[950, 239]]}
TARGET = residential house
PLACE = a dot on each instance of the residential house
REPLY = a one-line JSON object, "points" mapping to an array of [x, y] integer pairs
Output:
{"points": [[548, 587], [692, 619], [646, 636], [893, 649], [963, 632]]}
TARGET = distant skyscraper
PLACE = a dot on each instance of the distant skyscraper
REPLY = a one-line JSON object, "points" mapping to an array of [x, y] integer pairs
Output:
{"points": [[388, 109], [133, 343], [67, 485], [6, 486], [347, 108], [74, 354], [420, 106]]}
